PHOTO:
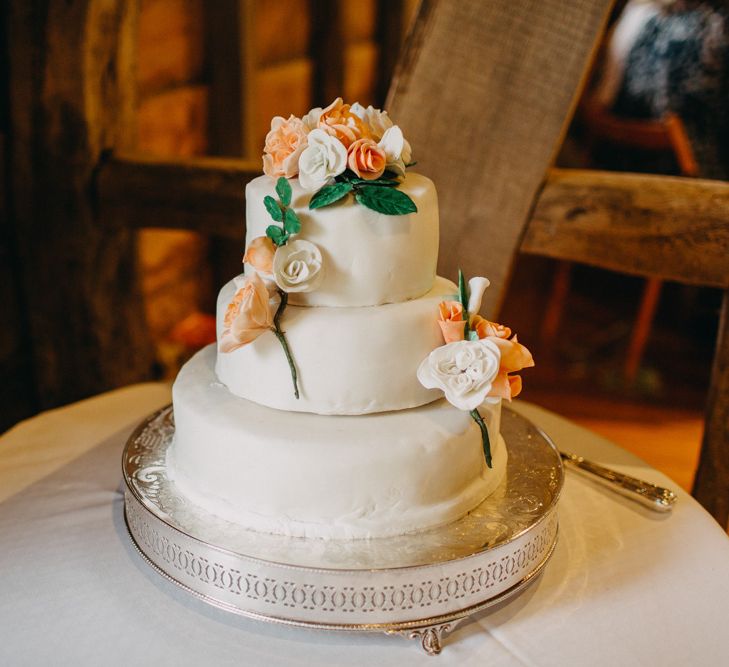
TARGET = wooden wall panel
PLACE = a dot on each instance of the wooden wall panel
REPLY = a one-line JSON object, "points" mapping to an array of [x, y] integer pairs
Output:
{"points": [[71, 98], [359, 20], [281, 90], [282, 31], [170, 45], [174, 122], [360, 72]]}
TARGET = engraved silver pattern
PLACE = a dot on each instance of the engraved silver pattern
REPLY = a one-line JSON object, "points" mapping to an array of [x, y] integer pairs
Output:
{"points": [[414, 585]]}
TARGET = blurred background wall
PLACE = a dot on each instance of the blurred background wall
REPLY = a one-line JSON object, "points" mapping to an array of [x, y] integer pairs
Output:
{"points": [[189, 105]]}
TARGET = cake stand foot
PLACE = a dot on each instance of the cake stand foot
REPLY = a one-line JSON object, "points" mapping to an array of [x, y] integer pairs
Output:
{"points": [[431, 637]]}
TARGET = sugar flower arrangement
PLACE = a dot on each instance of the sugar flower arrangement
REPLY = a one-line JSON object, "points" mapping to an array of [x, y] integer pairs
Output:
{"points": [[342, 149], [334, 151], [478, 362], [282, 265]]}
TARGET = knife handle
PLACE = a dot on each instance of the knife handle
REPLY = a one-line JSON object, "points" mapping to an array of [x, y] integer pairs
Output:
{"points": [[656, 498]]}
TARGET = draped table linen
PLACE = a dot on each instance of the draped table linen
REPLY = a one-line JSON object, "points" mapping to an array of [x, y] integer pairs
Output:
{"points": [[625, 586]]}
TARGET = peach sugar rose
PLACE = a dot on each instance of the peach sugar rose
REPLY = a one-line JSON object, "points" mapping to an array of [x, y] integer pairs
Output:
{"points": [[248, 315], [259, 254], [514, 357], [485, 328], [366, 159], [284, 144], [450, 320], [338, 121]]}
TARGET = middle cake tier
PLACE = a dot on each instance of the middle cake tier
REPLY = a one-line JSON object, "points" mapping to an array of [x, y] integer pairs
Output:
{"points": [[350, 361]]}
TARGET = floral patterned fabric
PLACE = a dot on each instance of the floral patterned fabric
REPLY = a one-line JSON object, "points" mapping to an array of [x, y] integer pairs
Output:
{"points": [[680, 63]]}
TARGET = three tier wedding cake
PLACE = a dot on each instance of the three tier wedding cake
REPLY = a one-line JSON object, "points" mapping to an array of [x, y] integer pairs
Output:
{"points": [[352, 393]]}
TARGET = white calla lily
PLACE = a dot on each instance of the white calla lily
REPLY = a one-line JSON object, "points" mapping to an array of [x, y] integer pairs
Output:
{"points": [[476, 287]]}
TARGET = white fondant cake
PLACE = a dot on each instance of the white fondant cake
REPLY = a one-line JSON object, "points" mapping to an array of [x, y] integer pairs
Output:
{"points": [[327, 476], [320, 412]]}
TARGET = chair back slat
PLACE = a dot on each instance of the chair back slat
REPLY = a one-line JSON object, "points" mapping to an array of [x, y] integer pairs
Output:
{"points": [[641, 224], [663, 134], [484, 92]]}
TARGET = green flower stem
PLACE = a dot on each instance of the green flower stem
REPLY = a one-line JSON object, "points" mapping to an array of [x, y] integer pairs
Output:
{"points": [[484, 435], [282, 339], [463, 298]]}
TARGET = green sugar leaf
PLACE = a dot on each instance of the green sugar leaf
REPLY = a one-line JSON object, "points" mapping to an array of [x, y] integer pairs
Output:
{"points": [[385, 200], [463, 298], [386, 182], [283, 190], [273, 208], [291, 222], [462, 290], [346, 176], [329, 194], [276, 234], [485, 440]]}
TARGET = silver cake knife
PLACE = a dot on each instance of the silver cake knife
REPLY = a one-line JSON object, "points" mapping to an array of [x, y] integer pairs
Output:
{"points": [[656, 498]]}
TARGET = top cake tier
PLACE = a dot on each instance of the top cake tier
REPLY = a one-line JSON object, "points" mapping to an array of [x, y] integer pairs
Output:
{"points": [[368, 258]]}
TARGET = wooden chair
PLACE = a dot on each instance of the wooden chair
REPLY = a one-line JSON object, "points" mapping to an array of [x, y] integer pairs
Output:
{"points": [[664, 135], [484, 91]]}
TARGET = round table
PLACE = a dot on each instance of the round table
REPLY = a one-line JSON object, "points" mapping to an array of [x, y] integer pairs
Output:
{"points": [[625, 586]]}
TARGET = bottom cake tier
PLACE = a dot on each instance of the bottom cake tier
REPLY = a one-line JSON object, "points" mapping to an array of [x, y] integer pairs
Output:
{"points": [[308, 475]]}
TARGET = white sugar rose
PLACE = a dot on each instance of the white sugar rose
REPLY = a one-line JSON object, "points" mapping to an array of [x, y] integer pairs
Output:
{"points": [[377, 120], [464, 371], [311, 120], [358, 110], [297, 266], [407, 153], [324, 158], [396, 149]]}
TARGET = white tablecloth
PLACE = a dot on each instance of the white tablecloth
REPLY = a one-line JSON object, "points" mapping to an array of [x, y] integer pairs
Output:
{"points": [[624, 587]]}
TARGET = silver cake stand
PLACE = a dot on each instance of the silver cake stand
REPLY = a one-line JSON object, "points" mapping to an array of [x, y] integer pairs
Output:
{"points": [[419, 586]]}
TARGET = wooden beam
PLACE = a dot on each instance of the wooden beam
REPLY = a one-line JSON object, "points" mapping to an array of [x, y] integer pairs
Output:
{"points": [[71, 98], [201, 194], [326, 49], [230, 48], [390, 18], [671, 228], [712, 477], [659, 226]]}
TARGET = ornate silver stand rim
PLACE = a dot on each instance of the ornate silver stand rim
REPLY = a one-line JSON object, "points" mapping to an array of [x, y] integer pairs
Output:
{"points": [[420, 586]]}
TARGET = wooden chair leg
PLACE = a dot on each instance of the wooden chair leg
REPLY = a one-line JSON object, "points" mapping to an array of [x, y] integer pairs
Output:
{"points": [[711, 485], [642, 328], [555, 305]]}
